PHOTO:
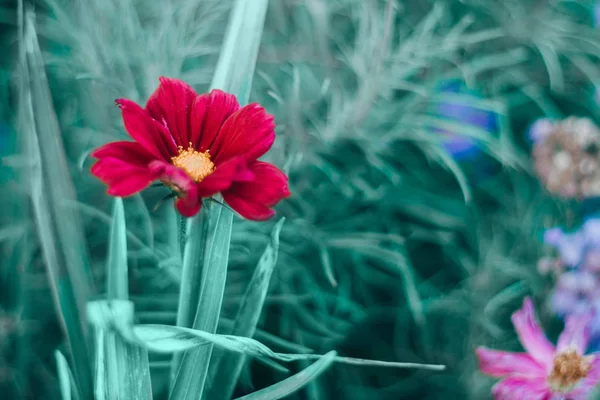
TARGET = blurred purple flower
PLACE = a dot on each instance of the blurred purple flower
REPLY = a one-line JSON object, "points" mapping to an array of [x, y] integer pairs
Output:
{"points": [[578, 248], [577, 290], [461, 146], [574, 293], [570, 246]]}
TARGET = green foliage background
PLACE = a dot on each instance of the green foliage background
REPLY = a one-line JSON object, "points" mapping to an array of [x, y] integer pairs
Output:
{"points": [[391, 250]]}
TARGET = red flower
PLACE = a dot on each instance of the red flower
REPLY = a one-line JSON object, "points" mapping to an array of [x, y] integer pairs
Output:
{"points": [[197, 145]]}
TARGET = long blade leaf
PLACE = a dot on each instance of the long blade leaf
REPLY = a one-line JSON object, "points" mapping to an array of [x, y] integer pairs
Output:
{"points": [[117, 316], [64, 375], [122, 368], [58, 228], [228, 368], [294, 382], [117, 285]]}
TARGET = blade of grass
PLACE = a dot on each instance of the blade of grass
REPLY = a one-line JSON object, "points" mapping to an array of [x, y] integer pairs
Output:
{"points": [[64, 375], [228, 367], [117, 316], [294, 382], [122, 368], [193, 369], [194, 253], [58, 229], [234, 72], [117, 284]]}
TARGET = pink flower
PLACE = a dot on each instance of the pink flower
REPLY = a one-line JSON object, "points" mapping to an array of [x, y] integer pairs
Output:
{"points": [[545, 372], [198, 146]]}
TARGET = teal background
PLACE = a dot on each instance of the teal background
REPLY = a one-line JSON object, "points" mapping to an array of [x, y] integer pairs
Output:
{"points": [[394, 248]]}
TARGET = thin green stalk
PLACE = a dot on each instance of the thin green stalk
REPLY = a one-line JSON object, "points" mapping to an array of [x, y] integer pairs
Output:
{"points": [[194, 252]]}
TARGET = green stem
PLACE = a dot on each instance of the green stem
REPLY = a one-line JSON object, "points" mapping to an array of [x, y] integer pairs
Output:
{"points": [[183, 221], [191, 276]]}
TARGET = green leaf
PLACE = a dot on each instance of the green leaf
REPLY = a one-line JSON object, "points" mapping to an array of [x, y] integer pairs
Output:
{"points": [[197, 246], [234, 72], [237, 60], [117, 316], [59, 229], [227, 368], [117, 285], [64, 375], [193, 369], [168, 339], [122, 368], [294, 382]]}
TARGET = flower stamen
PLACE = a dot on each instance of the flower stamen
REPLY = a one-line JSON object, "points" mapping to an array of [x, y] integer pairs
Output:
{"points": [[568, 370], [197, 165]]}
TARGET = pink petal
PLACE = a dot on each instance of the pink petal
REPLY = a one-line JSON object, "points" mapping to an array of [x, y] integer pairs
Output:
{"points": [[122, 178], [151, 135], [576, 333], [225, 174], [250, 133], [132, 152], [521, 388], [531, 335], [209, 112], [254, 199], [588, 384], [188, 202], [170, 104], [501, 363]]}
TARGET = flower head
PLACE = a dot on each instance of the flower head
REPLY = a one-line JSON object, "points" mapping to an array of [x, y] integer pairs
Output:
{"points": [[198, 146], [566, 155], [545, 372]]}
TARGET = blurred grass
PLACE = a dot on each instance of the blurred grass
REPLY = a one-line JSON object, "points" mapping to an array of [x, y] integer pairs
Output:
{"points": [[390, 249]]}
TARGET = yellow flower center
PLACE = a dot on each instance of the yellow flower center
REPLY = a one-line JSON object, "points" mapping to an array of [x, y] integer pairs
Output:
{"points": [[569, 368], [196, 164]]}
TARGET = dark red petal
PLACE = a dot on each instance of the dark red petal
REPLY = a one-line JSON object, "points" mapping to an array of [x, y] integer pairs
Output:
{"points": [[129, 184], [170, 104], [132, 152], [151, 135], [268, 187], [122, 178], [209, 112], [250, 133], [188, 202], [248, 210], [253, 199], [225, 174]]}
